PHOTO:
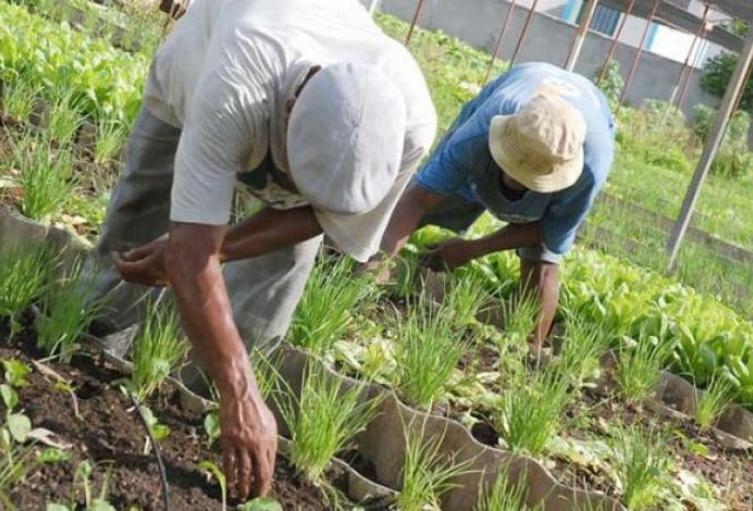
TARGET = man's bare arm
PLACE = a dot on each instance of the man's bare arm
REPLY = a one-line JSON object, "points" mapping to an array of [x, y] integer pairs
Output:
{"points": [[411, 208]]}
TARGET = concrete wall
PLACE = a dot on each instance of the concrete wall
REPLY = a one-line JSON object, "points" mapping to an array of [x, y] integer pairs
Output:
{"points": [[477, 22]]}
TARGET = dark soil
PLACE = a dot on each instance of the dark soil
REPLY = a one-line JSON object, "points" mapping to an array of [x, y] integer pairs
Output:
{"points": [[108, 433]]}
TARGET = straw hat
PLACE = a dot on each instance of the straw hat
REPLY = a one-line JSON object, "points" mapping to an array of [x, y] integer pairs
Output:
{"points": [[541, 146]]}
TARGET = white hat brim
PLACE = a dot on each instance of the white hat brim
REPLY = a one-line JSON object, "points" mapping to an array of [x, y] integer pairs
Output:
{"points": [[506, 154]]}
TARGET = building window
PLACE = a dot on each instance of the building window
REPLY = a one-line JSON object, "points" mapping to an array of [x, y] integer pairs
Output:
{"points": [[605, 18]]}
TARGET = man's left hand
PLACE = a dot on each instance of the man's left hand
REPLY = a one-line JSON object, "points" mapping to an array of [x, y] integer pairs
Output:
{"points": [[144, 265], [447, 256]]}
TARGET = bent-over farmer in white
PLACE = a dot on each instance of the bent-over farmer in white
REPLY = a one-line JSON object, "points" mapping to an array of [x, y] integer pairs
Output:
{"points": [[320, 115], [534, 148]]}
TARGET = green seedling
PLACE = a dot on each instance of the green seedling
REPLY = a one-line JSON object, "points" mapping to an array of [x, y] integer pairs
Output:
{"points": [[66, 313], [110, 139], [16, 372], [23, 274], [464, 298], [585, 344], [330, 300], [63, 119], [212, 427], [715, 399], [529, 413], [159, 350], [428, 351], [427, 472], [641, 461], [261, 504], [159, 431], [639, 368], [18, 98], [519, 319], [84, 472], [45, 176], [213, 471], [504, 495], [324, 420]]}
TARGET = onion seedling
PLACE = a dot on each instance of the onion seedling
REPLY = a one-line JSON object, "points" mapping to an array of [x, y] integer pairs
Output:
{"points": [[427, 472], [23, 275], [63, 120], [713, 402], [639, 368], [66, 313], [18, 98], [504, 495], [428, 351], [159, 349], [109, 142], [586, 342], [323, 421], [464, 298], [519, 319], [330, 300]]}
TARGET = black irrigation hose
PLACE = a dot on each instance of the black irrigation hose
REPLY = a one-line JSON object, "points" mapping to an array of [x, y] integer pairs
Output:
{"points": [[157, 454]]}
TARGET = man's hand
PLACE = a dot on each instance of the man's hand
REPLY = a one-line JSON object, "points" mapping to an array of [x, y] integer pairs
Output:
{"points": [[249, 444], [379, 268], [448, 255], [144, 265]]}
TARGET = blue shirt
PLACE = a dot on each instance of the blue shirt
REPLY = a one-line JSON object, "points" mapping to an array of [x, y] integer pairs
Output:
{"points": [[462, 165]]}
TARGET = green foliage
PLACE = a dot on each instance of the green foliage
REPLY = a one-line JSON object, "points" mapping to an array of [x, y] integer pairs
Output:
{"points": [[18, 97], [331, 297], [261, 504], [734, 159], [324, 420], [110, 139], [713, 402], [24, 271], [159, 349], [504, 495], [612, 84], [717, 72], [16, 372], [214, 471], [639, 368], [63, 118]]}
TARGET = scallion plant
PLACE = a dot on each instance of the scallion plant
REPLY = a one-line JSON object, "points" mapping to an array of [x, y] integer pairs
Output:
{"points": [[66, 312], [639, 368], [63, 119], [464, 298], [585, 343], [504, 495], [324, 420], [18, 98], [24, 271], [159, 349], [428, 350], [712, 403], [519, 319], [330, 300], [110, 139]]}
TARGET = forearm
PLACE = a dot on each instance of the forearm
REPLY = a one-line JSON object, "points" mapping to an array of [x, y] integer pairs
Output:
{"points": [[267, 231], [409, 212], [542, 281], [196, 278], [510, 237]]}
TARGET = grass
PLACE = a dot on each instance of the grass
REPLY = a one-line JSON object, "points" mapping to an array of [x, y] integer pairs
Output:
{"points": [[503, 495], [715, 399], [331, 297], [18, 98], [427, 351], [324, 420], [66, 313], [158, 351], [45, 177], [427, 472], [24, 271], [529, 412], [641, 461], [639, 368]]}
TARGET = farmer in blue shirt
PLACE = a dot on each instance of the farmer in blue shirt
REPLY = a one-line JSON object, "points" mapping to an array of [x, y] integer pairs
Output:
{"points": [[534, 149]]}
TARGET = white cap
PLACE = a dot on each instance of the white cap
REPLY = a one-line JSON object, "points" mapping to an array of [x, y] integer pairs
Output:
{"points": [[541, 147], [345, 138]]}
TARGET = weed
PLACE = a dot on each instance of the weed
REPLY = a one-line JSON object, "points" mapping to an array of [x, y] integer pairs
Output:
{"points": [[427, 353], [159, 350], [45, 177], [329, 302], [323, 420], [639, 368], [713, 402], [641, 462], [66, 313], [427, 473], [530, 410], [503, 495], [23, 274]]}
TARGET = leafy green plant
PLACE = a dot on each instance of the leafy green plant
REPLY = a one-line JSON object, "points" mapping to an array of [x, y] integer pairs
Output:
{"points": [[23, 274], [427, 472], [159, 431], [641, 461], [323, 420], [159, 349], [612, 83], [45, 177], [713, 402], [331, 297], [427, 353], [16, 372], [214, 471], [639, 368], [717, 72], [66, 312], [261, 504], [529, 413], [504, 495]]}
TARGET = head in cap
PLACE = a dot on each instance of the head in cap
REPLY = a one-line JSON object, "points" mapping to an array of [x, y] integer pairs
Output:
{"points": [[345, 138], [540, 147]]}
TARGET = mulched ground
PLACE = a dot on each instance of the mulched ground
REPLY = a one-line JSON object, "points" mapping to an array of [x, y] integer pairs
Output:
{"points": [[108, 433]]}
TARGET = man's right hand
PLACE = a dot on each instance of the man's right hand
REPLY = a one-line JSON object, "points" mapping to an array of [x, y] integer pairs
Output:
{"points": [[249, 444]]}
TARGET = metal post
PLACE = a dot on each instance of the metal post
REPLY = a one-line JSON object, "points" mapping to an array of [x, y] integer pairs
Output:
{"points": [[685, 71], [500, 37], [374, 6], [615, 42], [581, 33], [415, 20], [524, 32], [734, 89], [638, 54]]}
